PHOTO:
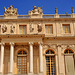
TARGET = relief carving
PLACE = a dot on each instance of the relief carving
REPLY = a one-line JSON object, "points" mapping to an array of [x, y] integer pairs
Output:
{"points": [[12, 29], [10, 11], [31, 28], [4, 28], [39, 27]]}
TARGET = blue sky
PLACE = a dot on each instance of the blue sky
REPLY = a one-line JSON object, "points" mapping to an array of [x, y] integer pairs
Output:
{"points": [[24, 6]]}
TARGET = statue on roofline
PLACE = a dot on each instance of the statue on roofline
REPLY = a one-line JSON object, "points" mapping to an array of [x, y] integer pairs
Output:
{"points": [[10, 11], [36, 10], [72, 10]]}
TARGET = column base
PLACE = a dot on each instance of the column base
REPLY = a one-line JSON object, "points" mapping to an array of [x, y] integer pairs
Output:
{"points": [[10, 73], [41, 73], [30, 74], [1, 73]]}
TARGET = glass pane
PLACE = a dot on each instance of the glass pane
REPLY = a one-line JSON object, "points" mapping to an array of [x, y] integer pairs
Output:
{"points": [[20, 29], [50, 65], [51, 29], [47, 29], [22, 65], [24, 29]]}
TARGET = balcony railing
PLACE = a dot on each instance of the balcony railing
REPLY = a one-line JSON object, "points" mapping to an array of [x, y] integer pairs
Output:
{"points": [[44, 16]]}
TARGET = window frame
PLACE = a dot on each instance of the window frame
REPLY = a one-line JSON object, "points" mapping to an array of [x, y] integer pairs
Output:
{"points": [[23, 29], [66, 28], [48, 29]]}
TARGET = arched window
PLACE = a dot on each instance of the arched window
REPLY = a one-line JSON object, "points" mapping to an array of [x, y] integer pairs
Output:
{"points": [[69, 62], [50, 62], [22, 52], [68, 51], [22, 62], [50, 52]]}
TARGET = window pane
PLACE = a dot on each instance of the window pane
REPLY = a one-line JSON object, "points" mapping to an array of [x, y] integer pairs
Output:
{"points": [[66, 28], [49, 29], [46, 29], [23, 29]]}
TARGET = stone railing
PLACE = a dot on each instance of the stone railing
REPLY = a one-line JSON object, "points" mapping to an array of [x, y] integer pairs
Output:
{"points": [[44, 16]]}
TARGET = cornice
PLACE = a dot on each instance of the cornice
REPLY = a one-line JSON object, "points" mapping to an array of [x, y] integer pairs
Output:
{"points": [[37, 19]]}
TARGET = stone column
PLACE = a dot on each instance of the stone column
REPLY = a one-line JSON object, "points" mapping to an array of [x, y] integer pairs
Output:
{"points": [[60, 61], [2, 58], [11, 58], [57, 72], [31, 59], [40, 59]]}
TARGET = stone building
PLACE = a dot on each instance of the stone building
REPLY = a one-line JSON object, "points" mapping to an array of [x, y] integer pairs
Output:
{"points": [[37, 44]]}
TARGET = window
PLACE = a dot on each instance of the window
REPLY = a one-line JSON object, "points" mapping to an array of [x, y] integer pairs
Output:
{"points": [[69, 62], [50, 63], [49, 29], [22, 29], [66, 28], [22, 62]]}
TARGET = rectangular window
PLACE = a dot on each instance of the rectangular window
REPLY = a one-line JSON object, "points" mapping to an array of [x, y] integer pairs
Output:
{"points": [[22, 29], [49, 29], [66, 28]]}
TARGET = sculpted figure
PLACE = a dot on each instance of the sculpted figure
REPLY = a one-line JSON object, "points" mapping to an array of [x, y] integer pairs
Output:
{"points": [[12, 29], [4, 28], [40, 10], [10, 11], [72, 10], [31, 29], [36, 10], [56, 11], [39, 27]]}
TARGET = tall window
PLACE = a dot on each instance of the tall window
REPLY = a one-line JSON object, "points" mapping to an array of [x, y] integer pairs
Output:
{"points": [[49, 29], [50, 63], [22, 62], [69, 62], [22, 29], [66, 28]]}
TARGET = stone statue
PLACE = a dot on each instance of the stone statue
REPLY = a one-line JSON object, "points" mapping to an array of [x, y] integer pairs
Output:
{"points": [[12, 29], [4, 28], [31, 29], [39, 27], [36, 10], [10, 11], [56, 11], [72, 10]]}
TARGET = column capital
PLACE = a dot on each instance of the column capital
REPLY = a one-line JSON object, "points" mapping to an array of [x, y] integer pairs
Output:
{"points": [[59, 45], [3, 43], [30, 43], [40, 43], [12, 43]]}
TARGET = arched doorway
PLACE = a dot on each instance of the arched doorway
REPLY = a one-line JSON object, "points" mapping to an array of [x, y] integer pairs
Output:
{"points": [[69, 62], [22, 62], [50, 62]]}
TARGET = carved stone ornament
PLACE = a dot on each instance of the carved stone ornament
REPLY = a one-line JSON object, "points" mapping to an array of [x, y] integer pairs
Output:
{"points": [[12, 29], [31, 28], [72, 10], [39, 27], [56, 11], [4, 28], [10, 11], [36, 10]]}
